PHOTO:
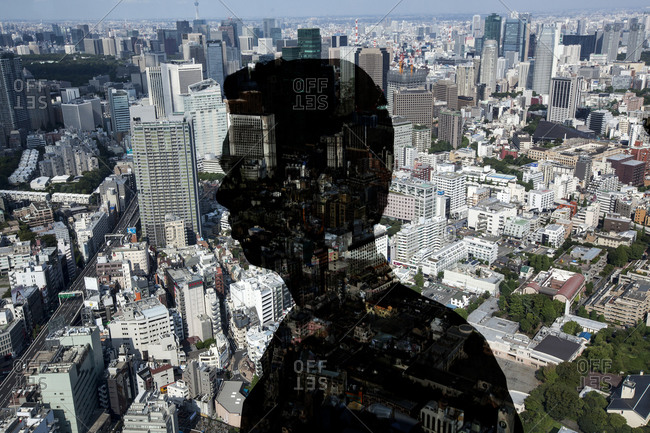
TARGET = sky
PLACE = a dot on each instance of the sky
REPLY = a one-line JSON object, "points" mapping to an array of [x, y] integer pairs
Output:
{"points": [[94, 10]]}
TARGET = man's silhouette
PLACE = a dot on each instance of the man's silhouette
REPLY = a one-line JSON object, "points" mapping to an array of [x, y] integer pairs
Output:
{"points": [[309, 163]]}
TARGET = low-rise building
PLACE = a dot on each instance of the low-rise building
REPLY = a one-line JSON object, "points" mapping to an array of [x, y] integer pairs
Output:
{"points": [[629, 400], [473, 278], [229, 403], [559, 284], [151, 411], [624, 302], [139, 324], [490, 216]]}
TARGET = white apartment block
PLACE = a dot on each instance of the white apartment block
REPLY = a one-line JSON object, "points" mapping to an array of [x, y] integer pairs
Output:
{"points": [[416, 236], [136, 254], [209, 118], [265, 292], [490, 216], [541, 199], [481, 249], [373, 253], [219, 353], [444, 258], [409, 200], [257, 339], [535, 176], [454, 186], [518, 228], [90, 230], [552, 235], [140, 324]]}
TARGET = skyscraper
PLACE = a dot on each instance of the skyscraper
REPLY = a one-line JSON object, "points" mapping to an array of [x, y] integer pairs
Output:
{"points": [[155, 88], [13, 103], [587, 44], [267, 25], [339, 40], [544, 60], [523, 69], [231, 32], [309, 42], [465, 80], [204, 105], [214, 61], [563, 99], [176, 79], [408, 79], [375, 61], [164, 160], [118, 101], [446, 90], [450, 128], [416, 105], [492, 29], [252, 135], [183, 27], [477, 29], [489, 65], [611, 37], [635, 41], [515, 36]]}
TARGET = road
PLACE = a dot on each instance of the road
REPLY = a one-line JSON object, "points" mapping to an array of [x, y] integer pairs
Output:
{"points": [[68, 310]]}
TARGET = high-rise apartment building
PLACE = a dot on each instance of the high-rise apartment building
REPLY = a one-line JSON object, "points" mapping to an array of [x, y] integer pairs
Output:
{"points": [[453, 185], [164, 160], [563, 99], [189, 291], [204, 105]]}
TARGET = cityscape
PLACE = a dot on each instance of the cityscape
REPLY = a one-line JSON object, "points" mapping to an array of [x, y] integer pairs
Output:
{"points": [[382, 222]]}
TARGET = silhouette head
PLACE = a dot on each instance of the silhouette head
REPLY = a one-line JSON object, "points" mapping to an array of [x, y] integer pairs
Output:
{"points": [[308, 159]]}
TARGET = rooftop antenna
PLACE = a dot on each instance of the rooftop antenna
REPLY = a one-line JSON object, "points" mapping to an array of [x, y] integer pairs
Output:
{"points": [[196, 5], [356, 30]]}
